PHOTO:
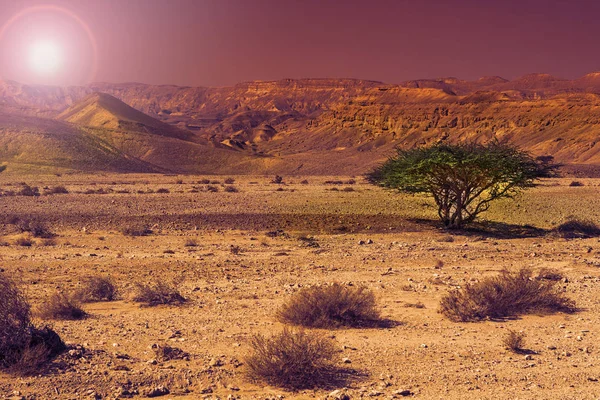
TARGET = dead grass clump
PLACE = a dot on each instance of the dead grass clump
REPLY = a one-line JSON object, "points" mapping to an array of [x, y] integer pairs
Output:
{"points": [[97, 288], [15, 317], [143, 230], [25, 242], [576, 184], [163, 190], [61, 306], [550, 274], [191, 243], [514, 341], [304, 182], [229, 181], [577, 228], [57, 190], [157, 293], [277, 180], [330, 306], [37, 228], [212, 189], [23, 347], [348, 189], [231, 189], [204, 181], [168, 353], [235, 250], [27, 190], [508, 294], [291, 359]]}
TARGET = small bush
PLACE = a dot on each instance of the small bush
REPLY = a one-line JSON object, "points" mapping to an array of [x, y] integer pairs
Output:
{"points": [[577, 228], [550, 274], [15, 318], [97, 288], [229, 181], [204, 181], [168, 353], [212, 189], [292, 360], [231, 189], [576, 183], [235, 250], [191, 243], [163, 190], [350, 182], [330, 306], [25, 242], [36, 228], [514, 341], [62, 307], [277, 180], [509, 294], [143, 230], [57, 190], [27, 190], [157, 293], [304, 182], [348, 189], [24, 348]]}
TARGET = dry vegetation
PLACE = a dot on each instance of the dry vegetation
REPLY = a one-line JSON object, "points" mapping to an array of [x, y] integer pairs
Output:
{"points": [[507, 295], [249, 265], [330, 306], [292, 359]]}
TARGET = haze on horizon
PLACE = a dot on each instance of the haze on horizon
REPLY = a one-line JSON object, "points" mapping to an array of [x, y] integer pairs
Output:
{"points": [[220, 43]]}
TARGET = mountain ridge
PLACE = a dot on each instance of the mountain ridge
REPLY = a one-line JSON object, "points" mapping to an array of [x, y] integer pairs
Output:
{"points": [[316, 124]]}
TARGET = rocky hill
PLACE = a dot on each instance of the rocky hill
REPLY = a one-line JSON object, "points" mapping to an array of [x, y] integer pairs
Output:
{"points": [[329, 126]]}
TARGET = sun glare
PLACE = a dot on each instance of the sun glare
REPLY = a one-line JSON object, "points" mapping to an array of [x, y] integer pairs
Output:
{"points": [[45, 57]]}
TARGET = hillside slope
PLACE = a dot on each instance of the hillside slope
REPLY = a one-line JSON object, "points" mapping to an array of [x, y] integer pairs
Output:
{"points": [[326, 126], [100, 110]]}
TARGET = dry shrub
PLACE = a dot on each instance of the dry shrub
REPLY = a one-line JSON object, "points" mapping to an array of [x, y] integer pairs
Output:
{"points": [[15, 317], [551, 274], [25, 242], [97, 288], [574, 227], [514, 341], [304, 182], [57, 190], [231, 189], [330, 306], [62, 307], [191, 243], [27, 190], [576, 183], [135, 230], [23, 347], [292, 359], [505, 295], [168, 353], [212, 189], [36, 228], [163, 190], [229, 181], [157, 293]]}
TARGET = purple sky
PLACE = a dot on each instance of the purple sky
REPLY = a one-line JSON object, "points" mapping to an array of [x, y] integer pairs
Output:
{"points": [[222, 42]]}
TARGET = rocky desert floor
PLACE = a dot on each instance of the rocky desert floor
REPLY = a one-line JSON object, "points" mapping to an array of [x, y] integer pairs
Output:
{"points": [[237, 256]]}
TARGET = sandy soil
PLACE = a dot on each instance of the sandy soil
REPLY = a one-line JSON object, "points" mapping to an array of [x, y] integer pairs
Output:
{"points": [[363, 237]]}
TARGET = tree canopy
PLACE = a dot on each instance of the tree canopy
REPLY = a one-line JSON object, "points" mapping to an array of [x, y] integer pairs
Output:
{"points": [[462, 178]]}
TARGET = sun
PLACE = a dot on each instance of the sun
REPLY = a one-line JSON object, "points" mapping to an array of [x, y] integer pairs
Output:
{"points": [[45, 57]]}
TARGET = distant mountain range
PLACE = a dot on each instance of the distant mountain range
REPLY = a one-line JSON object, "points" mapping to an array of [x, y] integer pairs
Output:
{"points": [[306, 126]]}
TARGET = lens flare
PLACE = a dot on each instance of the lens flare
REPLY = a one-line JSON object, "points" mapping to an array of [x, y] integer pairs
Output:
{"points": [[45, 57]]}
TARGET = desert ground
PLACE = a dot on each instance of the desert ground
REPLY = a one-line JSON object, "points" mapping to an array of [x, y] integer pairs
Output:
{"points": [[237, 256]]}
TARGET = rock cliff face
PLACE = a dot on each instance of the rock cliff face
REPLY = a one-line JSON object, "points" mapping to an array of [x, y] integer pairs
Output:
{"points": [[347, 126]]}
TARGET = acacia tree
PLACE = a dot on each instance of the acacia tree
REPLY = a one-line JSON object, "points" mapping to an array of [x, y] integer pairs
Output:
{"points": [[463, 178]]}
